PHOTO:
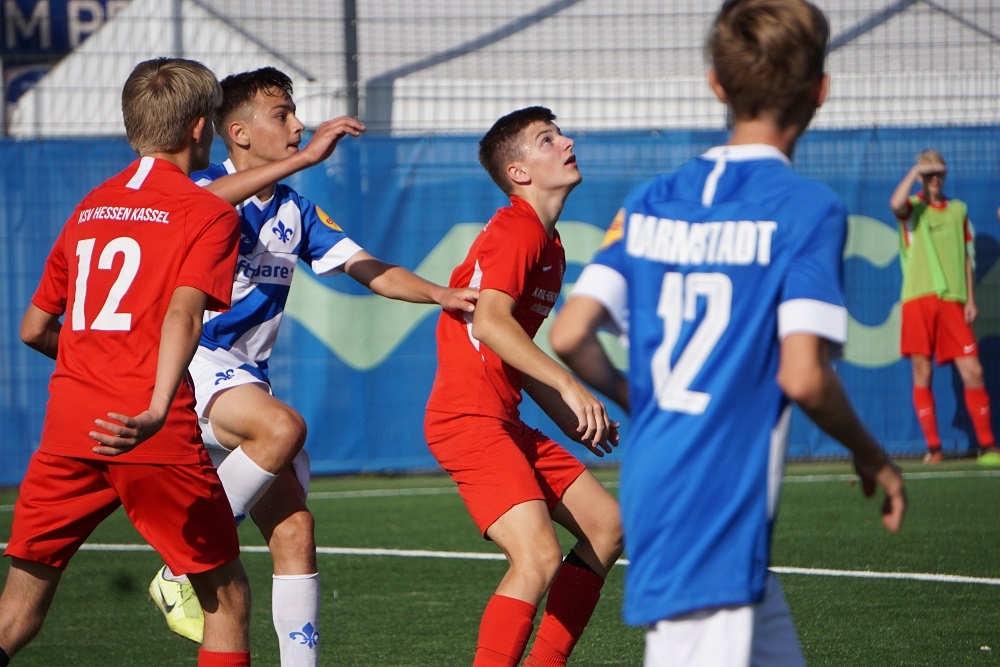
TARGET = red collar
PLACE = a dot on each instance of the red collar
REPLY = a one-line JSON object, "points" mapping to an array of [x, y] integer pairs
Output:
{"points": [[941, 205]]}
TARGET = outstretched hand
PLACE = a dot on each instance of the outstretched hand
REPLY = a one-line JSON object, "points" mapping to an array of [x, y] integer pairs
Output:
{"points": [[126, 434], [325, 139], [884, 473]]}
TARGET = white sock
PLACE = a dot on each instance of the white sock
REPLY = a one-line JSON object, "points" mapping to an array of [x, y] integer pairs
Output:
{"points": [[295, 611], [170, 576], [244, 481]]}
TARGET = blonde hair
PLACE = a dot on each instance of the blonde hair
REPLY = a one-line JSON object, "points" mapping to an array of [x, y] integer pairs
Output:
{"points": [[930, 155], [768, 56], [162, 98]]}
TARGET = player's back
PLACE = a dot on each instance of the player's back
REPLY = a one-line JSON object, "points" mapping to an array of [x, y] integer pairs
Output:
{"points": [[717, 257], [114, 268]]}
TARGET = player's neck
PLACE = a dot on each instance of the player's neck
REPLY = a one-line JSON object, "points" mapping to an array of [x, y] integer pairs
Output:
{"points": [[760, 131], [548, 205], [243, 161], [182, 159], [934, 197]]}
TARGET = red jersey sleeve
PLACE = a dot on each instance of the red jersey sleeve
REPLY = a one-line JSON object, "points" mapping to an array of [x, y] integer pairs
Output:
{"points": [[210, 263], [53, 289]]}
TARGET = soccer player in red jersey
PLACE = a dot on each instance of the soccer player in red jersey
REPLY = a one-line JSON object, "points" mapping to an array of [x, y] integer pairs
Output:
{"points": [[514, 480], [138, 262]]}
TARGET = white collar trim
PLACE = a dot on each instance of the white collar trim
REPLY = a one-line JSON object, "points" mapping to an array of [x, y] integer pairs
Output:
{"points": [[743, 152]]}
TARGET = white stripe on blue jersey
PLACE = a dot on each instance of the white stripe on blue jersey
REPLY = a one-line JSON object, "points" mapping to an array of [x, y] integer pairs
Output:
{"points": [[274, 235]]}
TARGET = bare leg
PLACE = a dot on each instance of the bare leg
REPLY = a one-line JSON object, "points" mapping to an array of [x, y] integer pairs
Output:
{"points": [[26, 599], [224, 594]]}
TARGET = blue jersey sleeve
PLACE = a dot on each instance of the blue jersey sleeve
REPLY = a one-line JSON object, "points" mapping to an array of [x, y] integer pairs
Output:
{"points": [[812, 299], [326, 248]]}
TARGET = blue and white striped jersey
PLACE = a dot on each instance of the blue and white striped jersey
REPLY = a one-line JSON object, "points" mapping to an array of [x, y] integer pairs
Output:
{"points": [[274, 235], [717, 263]]}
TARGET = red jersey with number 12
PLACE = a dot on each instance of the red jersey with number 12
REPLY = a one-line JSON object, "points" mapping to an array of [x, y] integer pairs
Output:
{"points": [[113, 271], [513, 254]]}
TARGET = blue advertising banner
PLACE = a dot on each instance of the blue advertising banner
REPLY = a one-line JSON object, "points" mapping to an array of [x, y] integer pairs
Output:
{"points": [[47, 29], [359, 367]]}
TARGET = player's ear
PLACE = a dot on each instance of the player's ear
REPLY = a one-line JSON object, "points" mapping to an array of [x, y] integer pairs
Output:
{"points": [[823, 89], [238, 134], [713, 83], [197, 129], [517, 174]]}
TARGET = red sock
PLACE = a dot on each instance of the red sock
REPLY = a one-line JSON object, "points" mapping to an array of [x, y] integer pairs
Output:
{"points": [[977, 402], [504, 632], [923, 401], [572, 598], [219, 659]]}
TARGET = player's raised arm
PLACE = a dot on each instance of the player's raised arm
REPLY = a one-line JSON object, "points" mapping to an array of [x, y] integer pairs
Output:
{"points": [[236, 188]]}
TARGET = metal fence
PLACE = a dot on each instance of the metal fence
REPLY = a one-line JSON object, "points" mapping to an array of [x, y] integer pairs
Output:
{"points": [[445, 66]]}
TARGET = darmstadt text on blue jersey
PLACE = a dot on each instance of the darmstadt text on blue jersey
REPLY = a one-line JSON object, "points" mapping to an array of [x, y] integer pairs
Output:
{"points": [[739, 242]]}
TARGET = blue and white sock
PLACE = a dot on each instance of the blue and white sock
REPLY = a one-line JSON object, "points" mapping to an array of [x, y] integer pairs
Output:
{"points": [[295, 612]]}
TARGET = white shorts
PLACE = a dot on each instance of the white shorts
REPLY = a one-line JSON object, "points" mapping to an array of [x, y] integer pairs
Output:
{"points": [[760, 635], [215, 371]]}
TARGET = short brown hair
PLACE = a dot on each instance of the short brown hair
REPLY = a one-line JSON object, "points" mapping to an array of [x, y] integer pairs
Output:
{"points": [[239, 89], [162, 97], [503, 143], [768, 55]]}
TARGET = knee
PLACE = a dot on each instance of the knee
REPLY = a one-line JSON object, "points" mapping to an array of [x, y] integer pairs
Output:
{"points": [[296, 529], [292, 544], [540, 565], [972, 373], [607, 539], [287, 428]]}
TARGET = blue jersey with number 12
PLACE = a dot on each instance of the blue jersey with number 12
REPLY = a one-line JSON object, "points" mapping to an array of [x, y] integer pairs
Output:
{"points": [[718, 262]]}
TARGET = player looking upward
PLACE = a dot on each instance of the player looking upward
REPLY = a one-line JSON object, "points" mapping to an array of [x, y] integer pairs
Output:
{"points": [[135, 267], [514, 480], [252, 435], [730, 272]]}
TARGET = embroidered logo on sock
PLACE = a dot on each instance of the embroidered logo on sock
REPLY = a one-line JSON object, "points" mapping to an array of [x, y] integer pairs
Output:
{"points": [[308, 635]]}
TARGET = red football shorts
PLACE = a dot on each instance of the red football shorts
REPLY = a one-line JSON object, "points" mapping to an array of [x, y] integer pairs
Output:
{"points": [[499, 464], [181, 510], [937, 329]]}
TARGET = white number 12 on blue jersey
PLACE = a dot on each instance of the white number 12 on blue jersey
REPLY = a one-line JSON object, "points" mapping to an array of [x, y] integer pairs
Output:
{"points": [[679, 299]]}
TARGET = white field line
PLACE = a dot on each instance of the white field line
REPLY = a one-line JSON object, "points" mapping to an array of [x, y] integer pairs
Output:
{"points": [[476, 555], [447, 490]]}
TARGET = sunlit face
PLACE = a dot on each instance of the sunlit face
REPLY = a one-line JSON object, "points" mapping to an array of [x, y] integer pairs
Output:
{"points": [[548, 157], [273, 128]]}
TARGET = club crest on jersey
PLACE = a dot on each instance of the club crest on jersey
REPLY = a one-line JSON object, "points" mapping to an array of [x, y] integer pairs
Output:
{"points": [[327, 220], [615, 230], [282, 232]]}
